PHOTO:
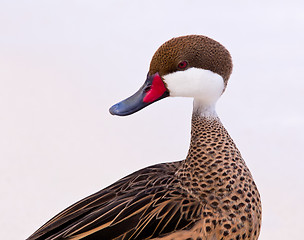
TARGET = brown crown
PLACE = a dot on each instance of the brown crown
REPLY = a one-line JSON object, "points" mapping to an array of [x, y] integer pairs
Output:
{"points": [[199, 51]]}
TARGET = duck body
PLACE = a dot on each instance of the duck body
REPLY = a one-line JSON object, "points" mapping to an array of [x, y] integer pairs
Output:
{"points": [[210, 195]]}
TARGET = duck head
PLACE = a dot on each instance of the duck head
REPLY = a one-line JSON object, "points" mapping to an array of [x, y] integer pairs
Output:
{"points": [[188, 66]]}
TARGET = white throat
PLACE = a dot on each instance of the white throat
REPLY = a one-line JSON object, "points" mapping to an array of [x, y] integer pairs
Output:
{"points": [[203, 85]]}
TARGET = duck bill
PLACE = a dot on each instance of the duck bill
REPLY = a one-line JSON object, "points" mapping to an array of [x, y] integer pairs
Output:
{"points": [[153, 90]]}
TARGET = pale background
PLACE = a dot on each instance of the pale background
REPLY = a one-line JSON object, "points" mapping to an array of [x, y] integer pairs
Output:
{"points": [[64, 63]]}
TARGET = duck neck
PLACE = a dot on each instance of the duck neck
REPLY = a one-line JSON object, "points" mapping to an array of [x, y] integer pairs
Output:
{"points": [[204, 110], [212, 156]]}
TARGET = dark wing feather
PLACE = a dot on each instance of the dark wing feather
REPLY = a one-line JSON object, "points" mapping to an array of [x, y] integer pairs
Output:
{"points": [[146, 204]]}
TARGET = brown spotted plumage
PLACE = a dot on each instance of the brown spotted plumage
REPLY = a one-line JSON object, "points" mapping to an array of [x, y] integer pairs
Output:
{"points": [[210, 195], [215, 172]]}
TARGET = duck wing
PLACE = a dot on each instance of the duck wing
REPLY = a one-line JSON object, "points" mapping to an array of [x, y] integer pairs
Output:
{"points": [[146, 204]]}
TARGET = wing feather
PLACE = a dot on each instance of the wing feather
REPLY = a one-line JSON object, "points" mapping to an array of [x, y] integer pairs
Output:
{"points": [[146, 204]]}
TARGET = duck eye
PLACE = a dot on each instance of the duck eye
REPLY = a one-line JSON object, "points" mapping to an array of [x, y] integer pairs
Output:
{"points": [[182, 65]]}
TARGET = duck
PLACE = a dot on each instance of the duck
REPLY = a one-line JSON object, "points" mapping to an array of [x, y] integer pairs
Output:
{"points": [[210, 195]]}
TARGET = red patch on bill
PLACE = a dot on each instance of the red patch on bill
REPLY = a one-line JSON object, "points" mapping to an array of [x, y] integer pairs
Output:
{"points": [[156, 91]]}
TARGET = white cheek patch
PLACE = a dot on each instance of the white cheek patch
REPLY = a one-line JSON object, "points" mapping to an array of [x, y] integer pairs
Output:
{"points": [[203, 85]]}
